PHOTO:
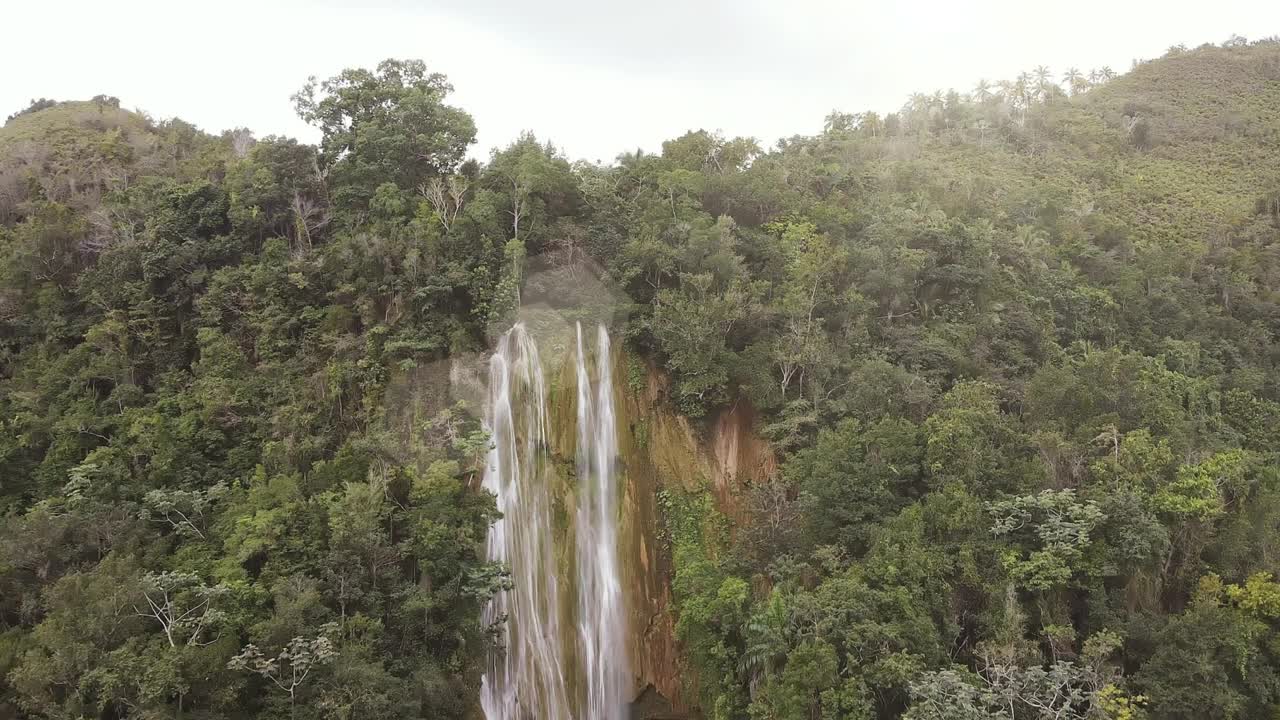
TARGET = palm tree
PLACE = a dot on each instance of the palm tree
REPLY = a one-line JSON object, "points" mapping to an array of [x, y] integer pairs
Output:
{"points": [[1074, 81], [1023, 95], [871, 123], [1024, 89], [837, 121], [982, 91], [1042, 80], [1030, 240], [916, 111], [769, 639], [1006, 90], [1107, 74]]}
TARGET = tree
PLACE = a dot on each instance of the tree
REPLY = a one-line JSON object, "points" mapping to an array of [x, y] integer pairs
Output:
{"points": [[1062, 527], [447, 196], [982, 91], [33, 107], [968, 439], [536, 184], [813, 267], [388, 125], [276, 188], [290, 669], [184, 608], [810, 674], [182, 510], [1043, 82], [694, 323], [1218, 646], [1061, 691], [1075, 81], [854, 475]]}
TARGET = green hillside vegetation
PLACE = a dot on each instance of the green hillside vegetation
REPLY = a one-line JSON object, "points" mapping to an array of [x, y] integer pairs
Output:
{"points": [[1016, 347]]}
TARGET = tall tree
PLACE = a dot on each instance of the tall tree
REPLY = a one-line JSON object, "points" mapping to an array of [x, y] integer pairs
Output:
{"points": [[385, 126]]}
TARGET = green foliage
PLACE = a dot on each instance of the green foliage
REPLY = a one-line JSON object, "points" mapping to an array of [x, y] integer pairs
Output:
{"points": [[1198, 490], [852, 476], [1014, 349], [1260, 595], [288, 670], [1052, 353], [1055, 527], [372, 122], [1210, 662], [197, 336], [711, 603]]}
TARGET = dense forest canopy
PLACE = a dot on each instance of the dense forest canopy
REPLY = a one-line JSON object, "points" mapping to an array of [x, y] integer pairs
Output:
{"points": [[1016, 347]]}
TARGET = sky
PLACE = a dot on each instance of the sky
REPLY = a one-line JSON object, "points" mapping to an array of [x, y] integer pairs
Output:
{"points": [[596, 77]]}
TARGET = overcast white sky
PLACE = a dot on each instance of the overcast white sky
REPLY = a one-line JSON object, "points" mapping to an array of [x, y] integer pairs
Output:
{"points": [[594, 76]]}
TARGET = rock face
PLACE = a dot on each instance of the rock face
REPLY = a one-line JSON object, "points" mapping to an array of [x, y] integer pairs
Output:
{"points": [[659, 448]]}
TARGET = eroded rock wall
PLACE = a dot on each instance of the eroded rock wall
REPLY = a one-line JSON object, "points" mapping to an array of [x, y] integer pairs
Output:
{"points": [[658, 448]]}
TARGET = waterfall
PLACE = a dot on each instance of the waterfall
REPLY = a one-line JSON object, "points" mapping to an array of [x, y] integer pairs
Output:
{"points": [[601, 616], [526, 679], [531, 678]]}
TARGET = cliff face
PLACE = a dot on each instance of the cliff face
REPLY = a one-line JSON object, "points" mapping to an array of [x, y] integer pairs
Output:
{"points": [[660, 448]]}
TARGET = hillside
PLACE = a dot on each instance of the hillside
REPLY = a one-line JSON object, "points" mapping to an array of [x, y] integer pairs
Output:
{"points": [[1014, 350]]}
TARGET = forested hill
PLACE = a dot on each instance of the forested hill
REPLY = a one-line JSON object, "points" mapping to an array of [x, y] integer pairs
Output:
{"points": [[1016, 347]]}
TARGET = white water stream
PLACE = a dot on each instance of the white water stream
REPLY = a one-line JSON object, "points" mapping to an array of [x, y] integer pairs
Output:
{"points": [[525, 679], [601, 616], [530, 677]]}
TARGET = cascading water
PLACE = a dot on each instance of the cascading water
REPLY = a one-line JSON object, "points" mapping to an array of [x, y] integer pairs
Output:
{"points": [[531, 679], [601, 616], [527, 679]]}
